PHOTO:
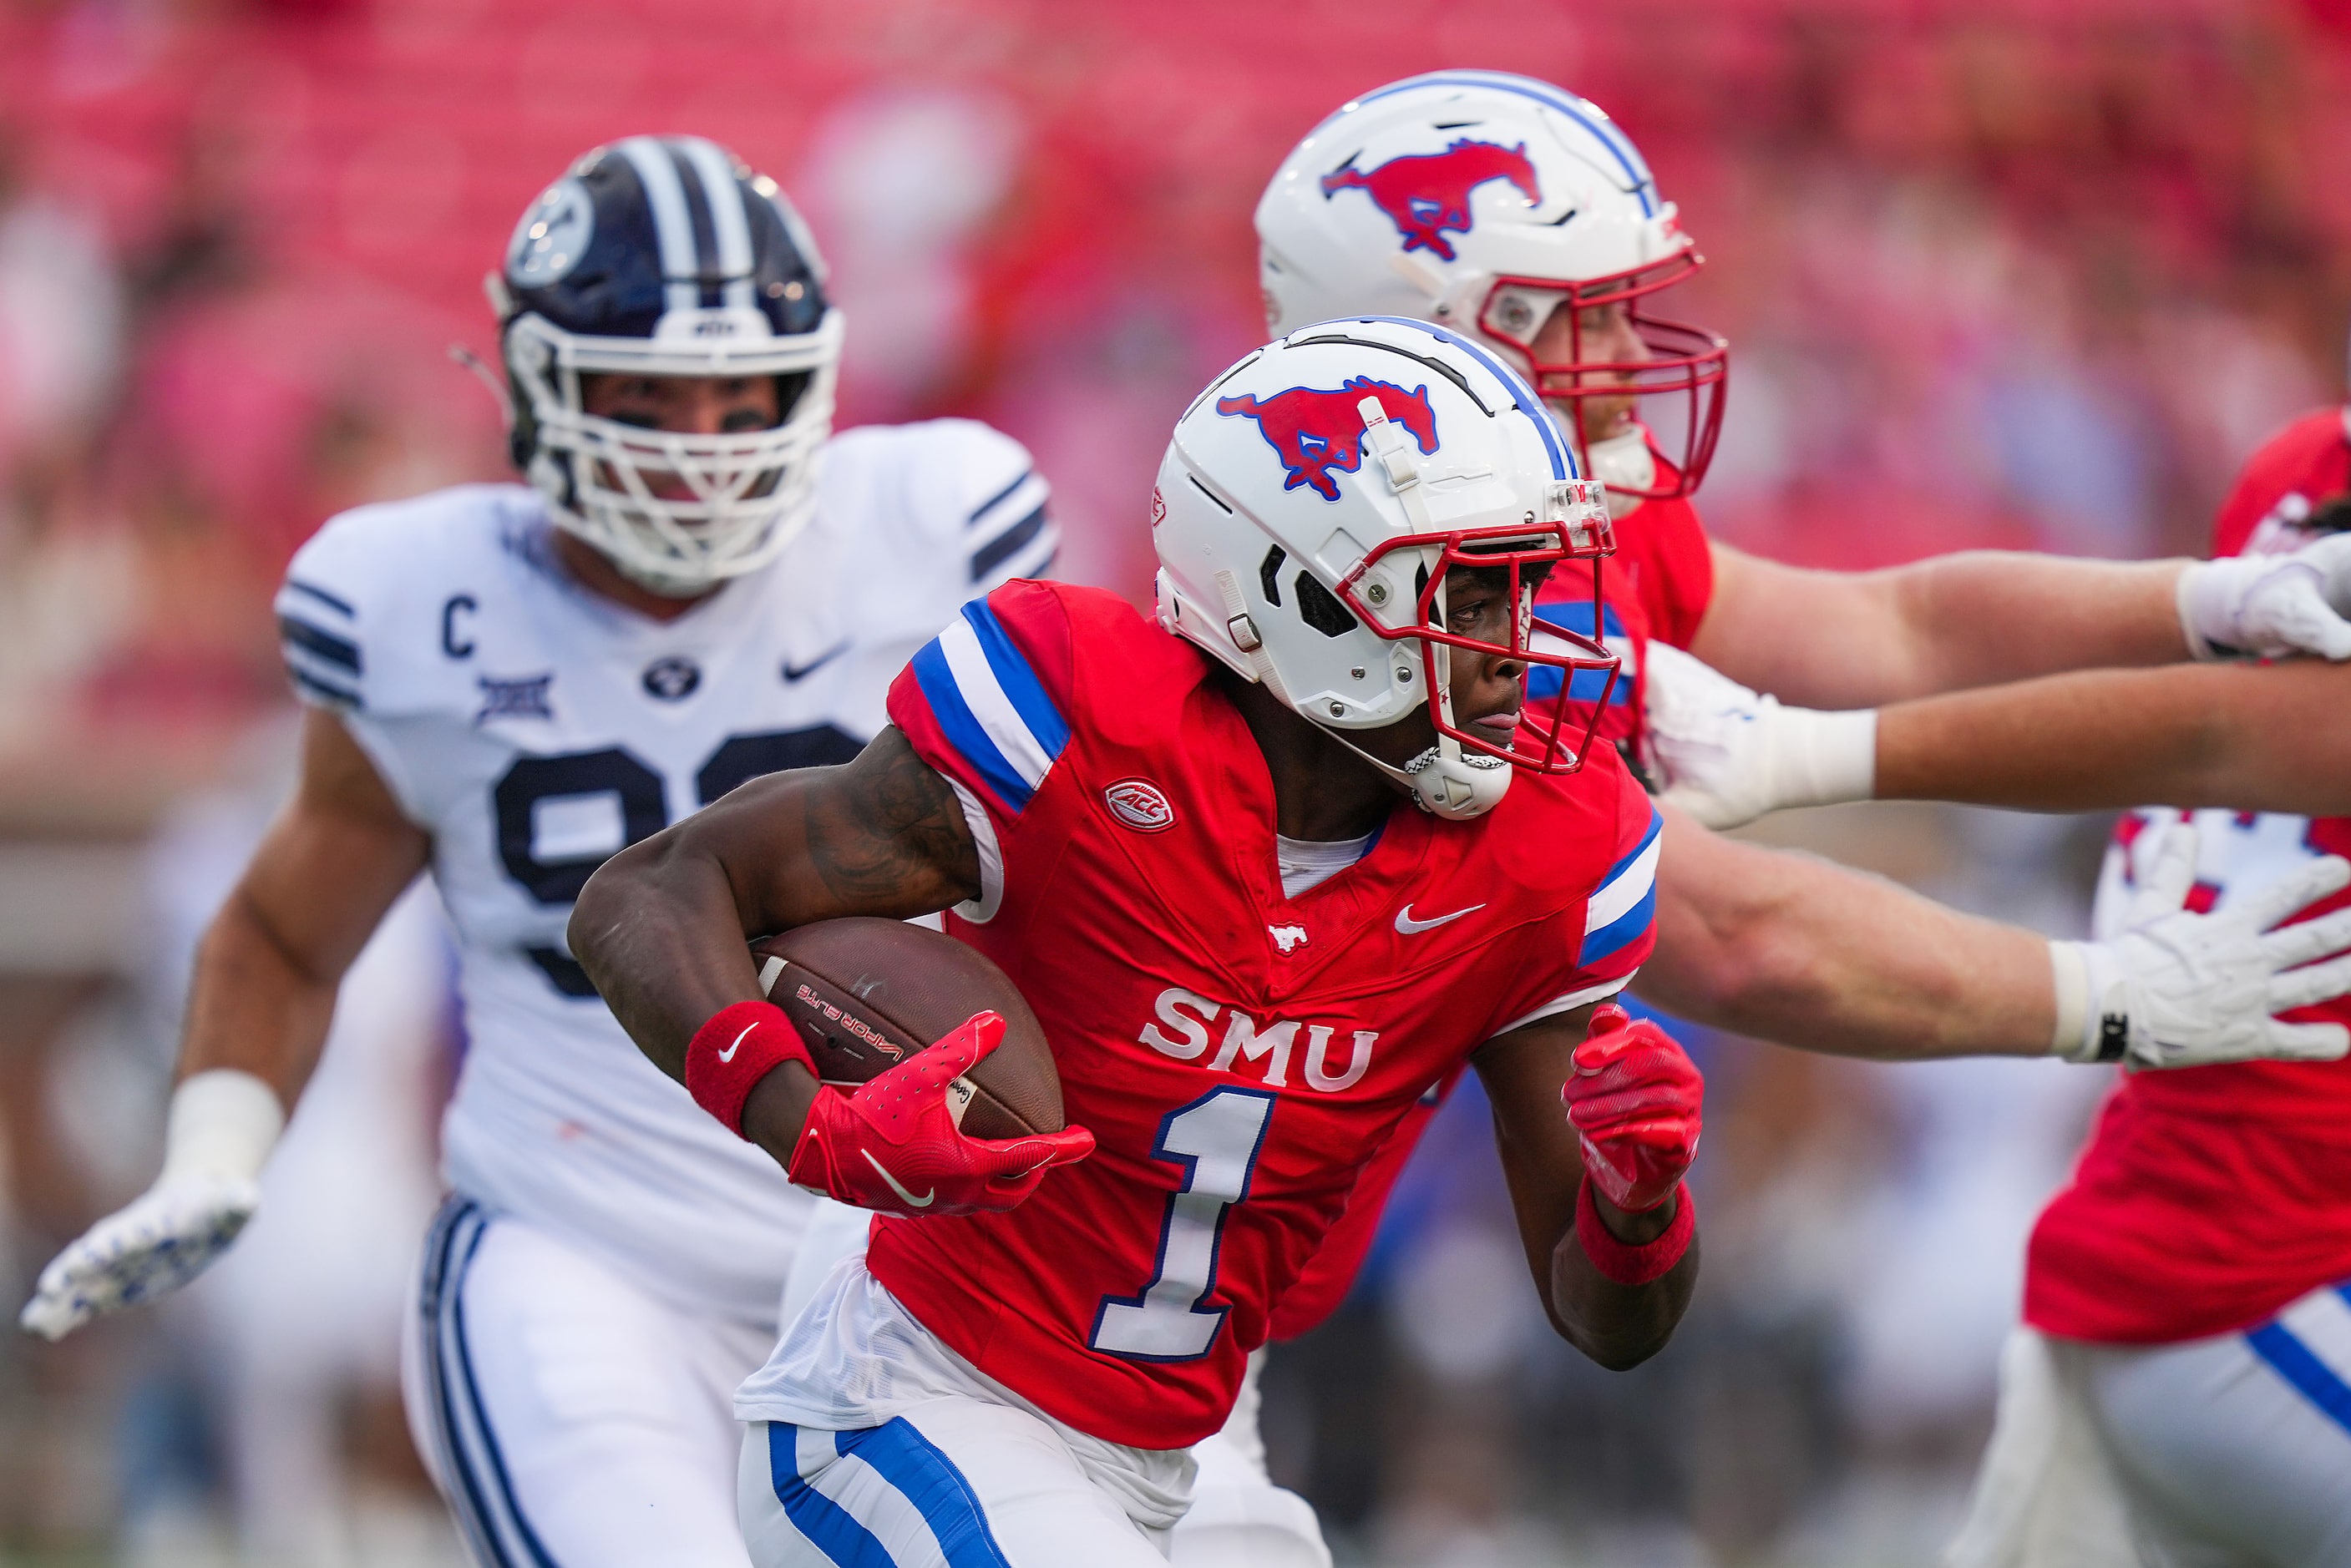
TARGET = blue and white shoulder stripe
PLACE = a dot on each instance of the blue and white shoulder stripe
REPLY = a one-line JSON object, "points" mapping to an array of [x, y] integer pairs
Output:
{"points": [[1624, 905], [317, 631], [992, 708]]}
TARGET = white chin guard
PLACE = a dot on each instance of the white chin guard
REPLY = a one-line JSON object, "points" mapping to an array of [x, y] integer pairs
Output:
{"points": [[1456, 784]]}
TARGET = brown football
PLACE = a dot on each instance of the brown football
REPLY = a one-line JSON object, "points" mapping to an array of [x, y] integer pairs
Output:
{"points": [[867, 993]]}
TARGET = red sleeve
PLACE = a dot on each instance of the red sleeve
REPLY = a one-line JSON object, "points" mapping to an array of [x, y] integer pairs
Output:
{"points": [[1665, 561], [1592, 951]]}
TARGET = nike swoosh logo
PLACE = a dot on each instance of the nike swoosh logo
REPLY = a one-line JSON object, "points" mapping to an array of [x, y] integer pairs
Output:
{"points": [[1406, 926], [728, 1055], [794, 673], [912, 1201]]}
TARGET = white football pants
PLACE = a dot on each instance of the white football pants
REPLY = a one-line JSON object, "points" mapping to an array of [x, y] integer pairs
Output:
{"points": [[1238, 1518], [571, 1419], [2228, 1452]]}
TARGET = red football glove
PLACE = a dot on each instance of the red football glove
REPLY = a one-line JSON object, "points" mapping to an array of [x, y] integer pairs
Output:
{"points": [[1635, 1103], [893, 1146]]}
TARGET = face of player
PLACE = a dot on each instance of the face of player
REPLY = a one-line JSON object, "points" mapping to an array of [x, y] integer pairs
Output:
{"points": [[1600, 334], [1487, 688], [688, 405]]}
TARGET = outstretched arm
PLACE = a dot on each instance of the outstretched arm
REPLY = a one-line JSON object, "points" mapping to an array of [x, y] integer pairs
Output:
{"points": [[2249, 738], [2271, 738], [1852, 639], [1616, 1323], [1789, 948], [1786, 947]]}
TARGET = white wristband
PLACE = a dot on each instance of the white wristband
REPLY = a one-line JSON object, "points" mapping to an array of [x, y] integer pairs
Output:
{"points": [[1727, 754], [223, 1123], [2086, 1028], [1824, 758], [2195, 594]]}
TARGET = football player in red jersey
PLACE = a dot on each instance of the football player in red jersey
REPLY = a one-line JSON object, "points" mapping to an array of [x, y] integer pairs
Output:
{"points": [[2182, 1394], [1194, 852]]}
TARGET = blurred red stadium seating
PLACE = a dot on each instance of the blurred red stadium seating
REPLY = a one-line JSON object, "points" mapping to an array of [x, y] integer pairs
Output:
{"points": [[1946, 232]]}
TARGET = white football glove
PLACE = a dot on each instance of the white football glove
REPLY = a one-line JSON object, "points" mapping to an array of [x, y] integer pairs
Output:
{"points": [[1727, 755], [2266, 606], [222, 1125], [2182, 990]]}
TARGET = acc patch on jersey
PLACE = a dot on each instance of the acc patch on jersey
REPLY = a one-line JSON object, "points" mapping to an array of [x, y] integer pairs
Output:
{"points": [[1139, 805]]}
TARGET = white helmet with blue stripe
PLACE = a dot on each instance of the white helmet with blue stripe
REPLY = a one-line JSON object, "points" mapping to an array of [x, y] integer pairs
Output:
{"points": [[1313, 499], [1485, 203]]}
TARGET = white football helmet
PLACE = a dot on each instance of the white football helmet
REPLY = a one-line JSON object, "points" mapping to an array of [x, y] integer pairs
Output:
{"points": [[1308, 509], [1485, 202], [664, 255]]}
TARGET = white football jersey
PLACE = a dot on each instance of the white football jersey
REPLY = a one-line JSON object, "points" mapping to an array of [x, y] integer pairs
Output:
{"points": [[534, 729]]}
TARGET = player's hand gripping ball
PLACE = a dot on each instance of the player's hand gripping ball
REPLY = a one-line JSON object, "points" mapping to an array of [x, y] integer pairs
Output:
{"points": [[895, 1144], [1634, 1102]]}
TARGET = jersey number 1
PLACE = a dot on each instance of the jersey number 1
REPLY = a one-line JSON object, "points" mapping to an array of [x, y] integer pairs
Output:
{"points": [[1217, 1139]]}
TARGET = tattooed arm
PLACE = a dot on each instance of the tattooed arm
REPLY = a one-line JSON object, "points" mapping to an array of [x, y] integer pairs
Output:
{"points": [[662, 927]]}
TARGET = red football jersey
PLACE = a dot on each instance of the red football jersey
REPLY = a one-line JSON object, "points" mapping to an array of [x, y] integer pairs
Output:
{"points": [[1237, 1054], [2210, 1197]]}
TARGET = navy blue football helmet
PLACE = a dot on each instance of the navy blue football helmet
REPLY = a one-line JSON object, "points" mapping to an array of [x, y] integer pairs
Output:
{"points": [[664, 256]]}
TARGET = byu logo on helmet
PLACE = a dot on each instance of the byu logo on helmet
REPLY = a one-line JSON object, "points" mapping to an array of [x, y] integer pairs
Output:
{"points": [[1314, 432], [1427, 193], [553, 235]]}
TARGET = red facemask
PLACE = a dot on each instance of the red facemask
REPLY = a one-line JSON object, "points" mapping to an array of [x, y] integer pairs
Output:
{"points": [[1681, 360], [1556, 741]]}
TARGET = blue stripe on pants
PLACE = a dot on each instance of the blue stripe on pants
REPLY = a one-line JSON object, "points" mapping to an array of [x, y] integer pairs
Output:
{"points": [[828, 1527], [455, 1223], [457, 1235], [929, 1480], [2291, 1360]]}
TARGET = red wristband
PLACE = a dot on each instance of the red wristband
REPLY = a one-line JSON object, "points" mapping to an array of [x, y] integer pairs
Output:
{"points": [[1621, 1261], [740, 1045]]}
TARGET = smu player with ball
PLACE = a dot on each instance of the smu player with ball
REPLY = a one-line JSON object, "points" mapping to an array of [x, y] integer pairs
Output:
{"points": [[1103, 805]]}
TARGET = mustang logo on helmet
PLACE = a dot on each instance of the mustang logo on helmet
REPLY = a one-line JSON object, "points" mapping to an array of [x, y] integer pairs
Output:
{"points": [[1315, 431], [1423, 194]]}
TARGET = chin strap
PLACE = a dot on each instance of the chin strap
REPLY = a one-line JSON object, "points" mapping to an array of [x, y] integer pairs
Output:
{"points": [[1472, 787]]}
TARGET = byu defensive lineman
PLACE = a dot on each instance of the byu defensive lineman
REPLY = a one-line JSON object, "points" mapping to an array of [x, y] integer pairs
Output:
{"points": [[508, 684]]}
